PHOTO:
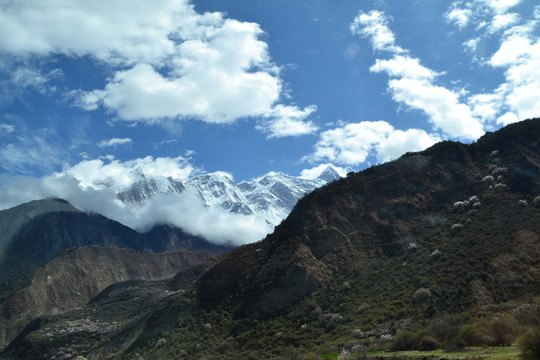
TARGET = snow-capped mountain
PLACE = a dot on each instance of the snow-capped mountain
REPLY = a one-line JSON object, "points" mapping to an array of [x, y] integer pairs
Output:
{"points": [[272, 196], [148, 187]]}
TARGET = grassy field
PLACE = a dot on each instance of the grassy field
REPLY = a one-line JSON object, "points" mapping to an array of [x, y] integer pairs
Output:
{"points": [[496, 353]]}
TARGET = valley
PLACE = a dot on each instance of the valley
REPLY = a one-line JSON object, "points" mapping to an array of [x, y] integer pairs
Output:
{"points": [[438, 250]]}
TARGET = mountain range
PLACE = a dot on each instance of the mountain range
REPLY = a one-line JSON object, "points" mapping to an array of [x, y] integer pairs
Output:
{"points": [[437, 249], [271, 197]]}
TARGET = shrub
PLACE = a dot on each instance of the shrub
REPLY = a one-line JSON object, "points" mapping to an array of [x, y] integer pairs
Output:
{"points": [[470, 335], [404, 340], [504, 330], [529, 343], [497, 331], [421, 296], [428, 343]]}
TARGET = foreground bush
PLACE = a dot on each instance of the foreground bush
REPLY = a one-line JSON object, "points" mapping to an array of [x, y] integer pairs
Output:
{"points": [[529, 343]]}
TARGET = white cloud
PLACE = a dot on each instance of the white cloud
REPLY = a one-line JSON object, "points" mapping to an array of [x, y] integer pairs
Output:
{"points": [[500, 6], [25, 77], [124, 32], [288, 121], [471, 44], [374, 25], [403, 66], [111, 173], [441, 105], [519, 55], [316, 171], [412, 84], [502, 21], [507, 118], [486, 106], [167, 142], [114, 142], [169, 62], [399, 142], [490, 15], [353, 143], [460, 17]]}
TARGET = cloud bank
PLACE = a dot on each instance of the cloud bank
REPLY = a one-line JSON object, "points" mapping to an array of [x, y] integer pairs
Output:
{"points": [[353, 143], [92, 185]]}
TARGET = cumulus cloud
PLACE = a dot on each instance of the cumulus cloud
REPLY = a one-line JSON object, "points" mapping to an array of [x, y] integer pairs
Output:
{"points": [[489, 14], [169, 61], [109, 31], [288, 121], [500, 6], [353, 143], [114, 142], [507, 118], [399, 142], [442, 106]]}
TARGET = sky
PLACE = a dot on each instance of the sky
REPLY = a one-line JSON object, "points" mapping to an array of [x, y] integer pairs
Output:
{"points": [[95, 90]]}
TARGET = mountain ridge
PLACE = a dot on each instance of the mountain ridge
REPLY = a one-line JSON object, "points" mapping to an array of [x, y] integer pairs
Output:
{"points": [[271, 196], [54, 225]]}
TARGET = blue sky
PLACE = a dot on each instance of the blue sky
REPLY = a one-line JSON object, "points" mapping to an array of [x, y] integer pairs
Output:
{"points": [[96, 89]]}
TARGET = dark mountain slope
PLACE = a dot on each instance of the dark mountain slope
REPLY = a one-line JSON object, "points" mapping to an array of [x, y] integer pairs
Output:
{"points": [[75, 277], [42, 229], [11, 220], [49, 234], [377, 212]]}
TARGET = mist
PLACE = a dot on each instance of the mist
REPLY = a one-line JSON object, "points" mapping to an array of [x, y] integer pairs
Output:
{"points": [[185, 210]]}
